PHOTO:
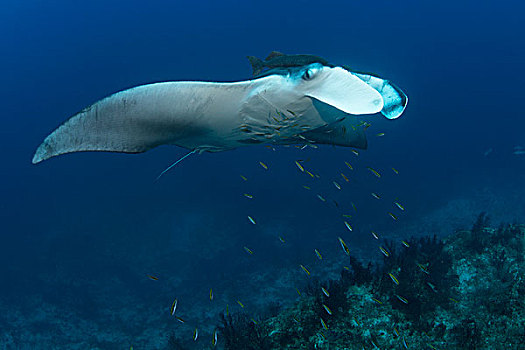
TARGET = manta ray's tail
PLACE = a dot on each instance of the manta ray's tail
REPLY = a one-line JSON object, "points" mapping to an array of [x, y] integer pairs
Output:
{"points": [[257, 64]]}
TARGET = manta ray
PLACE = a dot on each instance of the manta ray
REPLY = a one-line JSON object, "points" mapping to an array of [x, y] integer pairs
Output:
{"points": [[299, 99]]}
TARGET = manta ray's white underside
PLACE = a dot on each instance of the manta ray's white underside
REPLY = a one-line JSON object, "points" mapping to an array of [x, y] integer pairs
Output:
{"points": [[314, 104]]}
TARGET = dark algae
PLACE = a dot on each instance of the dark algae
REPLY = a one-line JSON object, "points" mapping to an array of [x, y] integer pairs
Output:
{"points": [[461, 292]]}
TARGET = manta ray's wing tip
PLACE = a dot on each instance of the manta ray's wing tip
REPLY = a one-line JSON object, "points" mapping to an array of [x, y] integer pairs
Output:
{"points": [[36, 159], [40, 154]]}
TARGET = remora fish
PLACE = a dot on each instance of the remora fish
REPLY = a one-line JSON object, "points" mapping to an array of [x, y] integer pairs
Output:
{"points": [[279, 60], [314, 100]]}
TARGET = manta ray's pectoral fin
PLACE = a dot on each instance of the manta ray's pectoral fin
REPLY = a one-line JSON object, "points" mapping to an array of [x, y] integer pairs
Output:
{"points": [[193, 115], [130, 121]]}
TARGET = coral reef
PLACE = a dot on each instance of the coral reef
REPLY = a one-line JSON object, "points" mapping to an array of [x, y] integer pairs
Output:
{"points": [[463, 292]]}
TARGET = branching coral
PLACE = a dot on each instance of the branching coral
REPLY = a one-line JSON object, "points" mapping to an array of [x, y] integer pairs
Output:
{"points": [[242, 333], [415, 299]]}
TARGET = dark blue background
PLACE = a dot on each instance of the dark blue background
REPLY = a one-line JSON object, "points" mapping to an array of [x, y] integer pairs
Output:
{"points": [[461, 63]]}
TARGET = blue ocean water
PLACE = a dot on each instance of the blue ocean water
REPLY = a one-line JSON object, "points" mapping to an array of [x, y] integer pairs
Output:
{"points": [[81, 233]]}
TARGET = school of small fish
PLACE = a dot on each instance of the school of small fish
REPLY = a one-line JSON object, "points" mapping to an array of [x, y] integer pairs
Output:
{"points": [[303, 166]]}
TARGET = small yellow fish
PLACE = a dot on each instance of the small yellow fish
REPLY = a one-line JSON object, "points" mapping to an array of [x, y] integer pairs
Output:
{"points": [[173, 307], [423, 268], [321, 198], [374, 172], [375, 235], [299, 166], [384, 251], [248, 250], [318, 254], [281, 239], [344, 246], [347, 216], [248, 195], [348, 226], [344, 177], [394, 279], [325, 292], [396, 332], [405, 244], [392, 216], [433, 287], [240, 304], [405, 344], [377, 301], [295, 319], [395, 171], [404, 300], [349, 166], [251, 219], [399, 205], [327, 309], [153, 278], [353, 206], [306, 187], [309, 173], [356, 152], [324, 324], [297, 290], [244, 178], [375, 195], [346, 268], [264, 165], [195, 334], [211, 294], [253, 320], [227, 310], [305, 270], [380, 134], [180, 319], [337, 185], [214, 339], [454, 300]]}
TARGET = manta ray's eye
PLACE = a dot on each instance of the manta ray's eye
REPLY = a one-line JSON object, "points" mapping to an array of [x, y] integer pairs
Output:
{"points": [[309, 74]]}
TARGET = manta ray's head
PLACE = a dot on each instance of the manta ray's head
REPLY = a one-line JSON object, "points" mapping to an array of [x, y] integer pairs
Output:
{"points": [[328, 92], [338, 88], [324, 101]]}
